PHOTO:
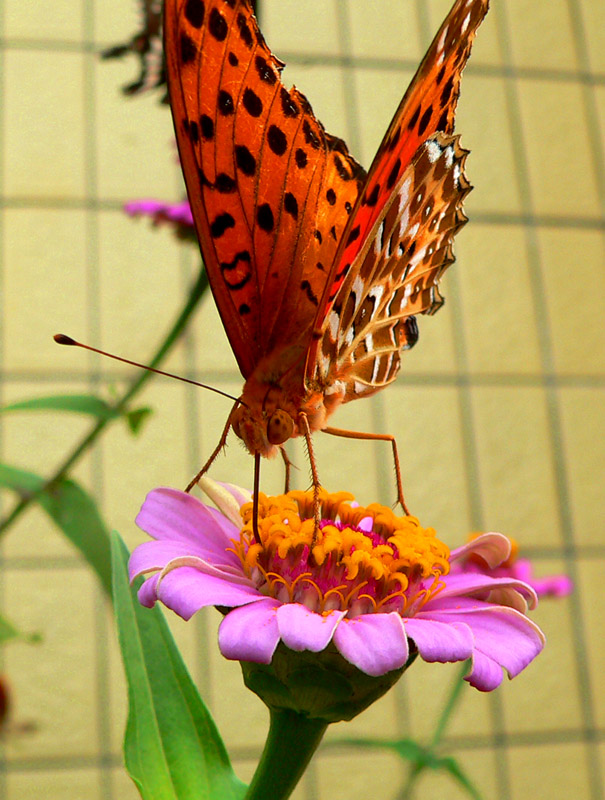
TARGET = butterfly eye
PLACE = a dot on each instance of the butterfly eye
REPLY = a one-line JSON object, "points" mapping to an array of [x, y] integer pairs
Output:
{"points": [[236, 428], [280, 427]]}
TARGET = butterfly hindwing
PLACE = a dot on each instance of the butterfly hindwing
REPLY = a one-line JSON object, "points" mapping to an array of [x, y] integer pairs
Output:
{"points": [[428, 106], [395, 274]]}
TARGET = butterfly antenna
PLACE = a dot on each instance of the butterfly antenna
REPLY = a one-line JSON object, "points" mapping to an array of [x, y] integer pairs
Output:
{"points": [[61, 338]]}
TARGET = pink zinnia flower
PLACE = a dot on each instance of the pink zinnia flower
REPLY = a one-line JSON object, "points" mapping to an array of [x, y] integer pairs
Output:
{"points": [[176, 214], [520, 569], [377, 586]]}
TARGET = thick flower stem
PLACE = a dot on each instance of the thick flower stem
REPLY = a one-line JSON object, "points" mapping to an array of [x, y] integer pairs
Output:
{"points": [[291, 742]]}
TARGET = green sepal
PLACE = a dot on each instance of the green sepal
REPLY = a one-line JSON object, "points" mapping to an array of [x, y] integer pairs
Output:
{"points": [[322, 686]]}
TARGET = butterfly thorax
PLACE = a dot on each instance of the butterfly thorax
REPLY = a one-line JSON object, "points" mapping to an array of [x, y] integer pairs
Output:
{"points": [[270, 413]]}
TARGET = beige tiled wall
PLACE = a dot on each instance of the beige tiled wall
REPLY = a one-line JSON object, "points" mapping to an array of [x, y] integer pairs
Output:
{"points": [[498, 411]]}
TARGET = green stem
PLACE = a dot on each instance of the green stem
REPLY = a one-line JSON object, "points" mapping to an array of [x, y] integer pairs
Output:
{"points": [[449, 707], [444, 718], [291, 742], [195, 295]]}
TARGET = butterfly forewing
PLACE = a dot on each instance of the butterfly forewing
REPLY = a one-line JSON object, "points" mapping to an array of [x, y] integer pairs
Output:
{"points": [[428, 106], [260, 172], [395, 274]]}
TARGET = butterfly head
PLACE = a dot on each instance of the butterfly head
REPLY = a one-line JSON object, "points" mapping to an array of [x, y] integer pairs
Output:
{"points": [[262, 423], [260, 432]]}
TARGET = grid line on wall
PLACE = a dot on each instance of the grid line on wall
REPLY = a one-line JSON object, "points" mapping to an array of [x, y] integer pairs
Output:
{"points": [[550, 381]]}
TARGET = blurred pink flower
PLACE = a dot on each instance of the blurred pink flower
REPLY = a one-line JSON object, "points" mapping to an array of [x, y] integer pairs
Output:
{"points": [[519, 569], [176, 214]]}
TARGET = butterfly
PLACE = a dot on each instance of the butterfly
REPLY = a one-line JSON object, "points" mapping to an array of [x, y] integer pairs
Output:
{"points": [[317, 267]]}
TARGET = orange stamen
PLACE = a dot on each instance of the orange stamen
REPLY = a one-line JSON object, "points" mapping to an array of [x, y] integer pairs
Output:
{"points": [[340, 559]]}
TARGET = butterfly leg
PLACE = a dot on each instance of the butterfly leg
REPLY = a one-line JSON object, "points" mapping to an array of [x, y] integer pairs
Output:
{"points": [[315, 479], [217, 450], [288, 467], [383, 437]]}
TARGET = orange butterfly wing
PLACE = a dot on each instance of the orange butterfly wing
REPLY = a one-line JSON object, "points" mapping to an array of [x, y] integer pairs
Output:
{"points": [[270, 190], [428, 106], [395, 274]]}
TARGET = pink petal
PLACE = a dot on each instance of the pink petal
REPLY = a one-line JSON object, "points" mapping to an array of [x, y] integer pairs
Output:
{"points": [[167, 556], [440, 641], [168, 514], [553, 586], [250, 633], [185, 590], [521, 570], [375, 643], [507, 597], [229, 573], [470, 584], [135, 207], [240, 495], [227, 497], [147, 593], [302, 629], [486, 674], [501, 634], [151, 556], [178, 212], [507, 636], [494, 548], [549, 586]]}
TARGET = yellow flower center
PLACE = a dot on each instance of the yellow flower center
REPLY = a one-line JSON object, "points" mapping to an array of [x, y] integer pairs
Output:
{"points": [[362, 559]]}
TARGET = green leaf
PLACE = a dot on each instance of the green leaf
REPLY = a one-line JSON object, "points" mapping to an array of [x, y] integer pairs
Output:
{"points": [[137, 417], [73, 510], [7, 631], [453, 767], [408, 749], [421, 758], [172, 748], [82, 404]]}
